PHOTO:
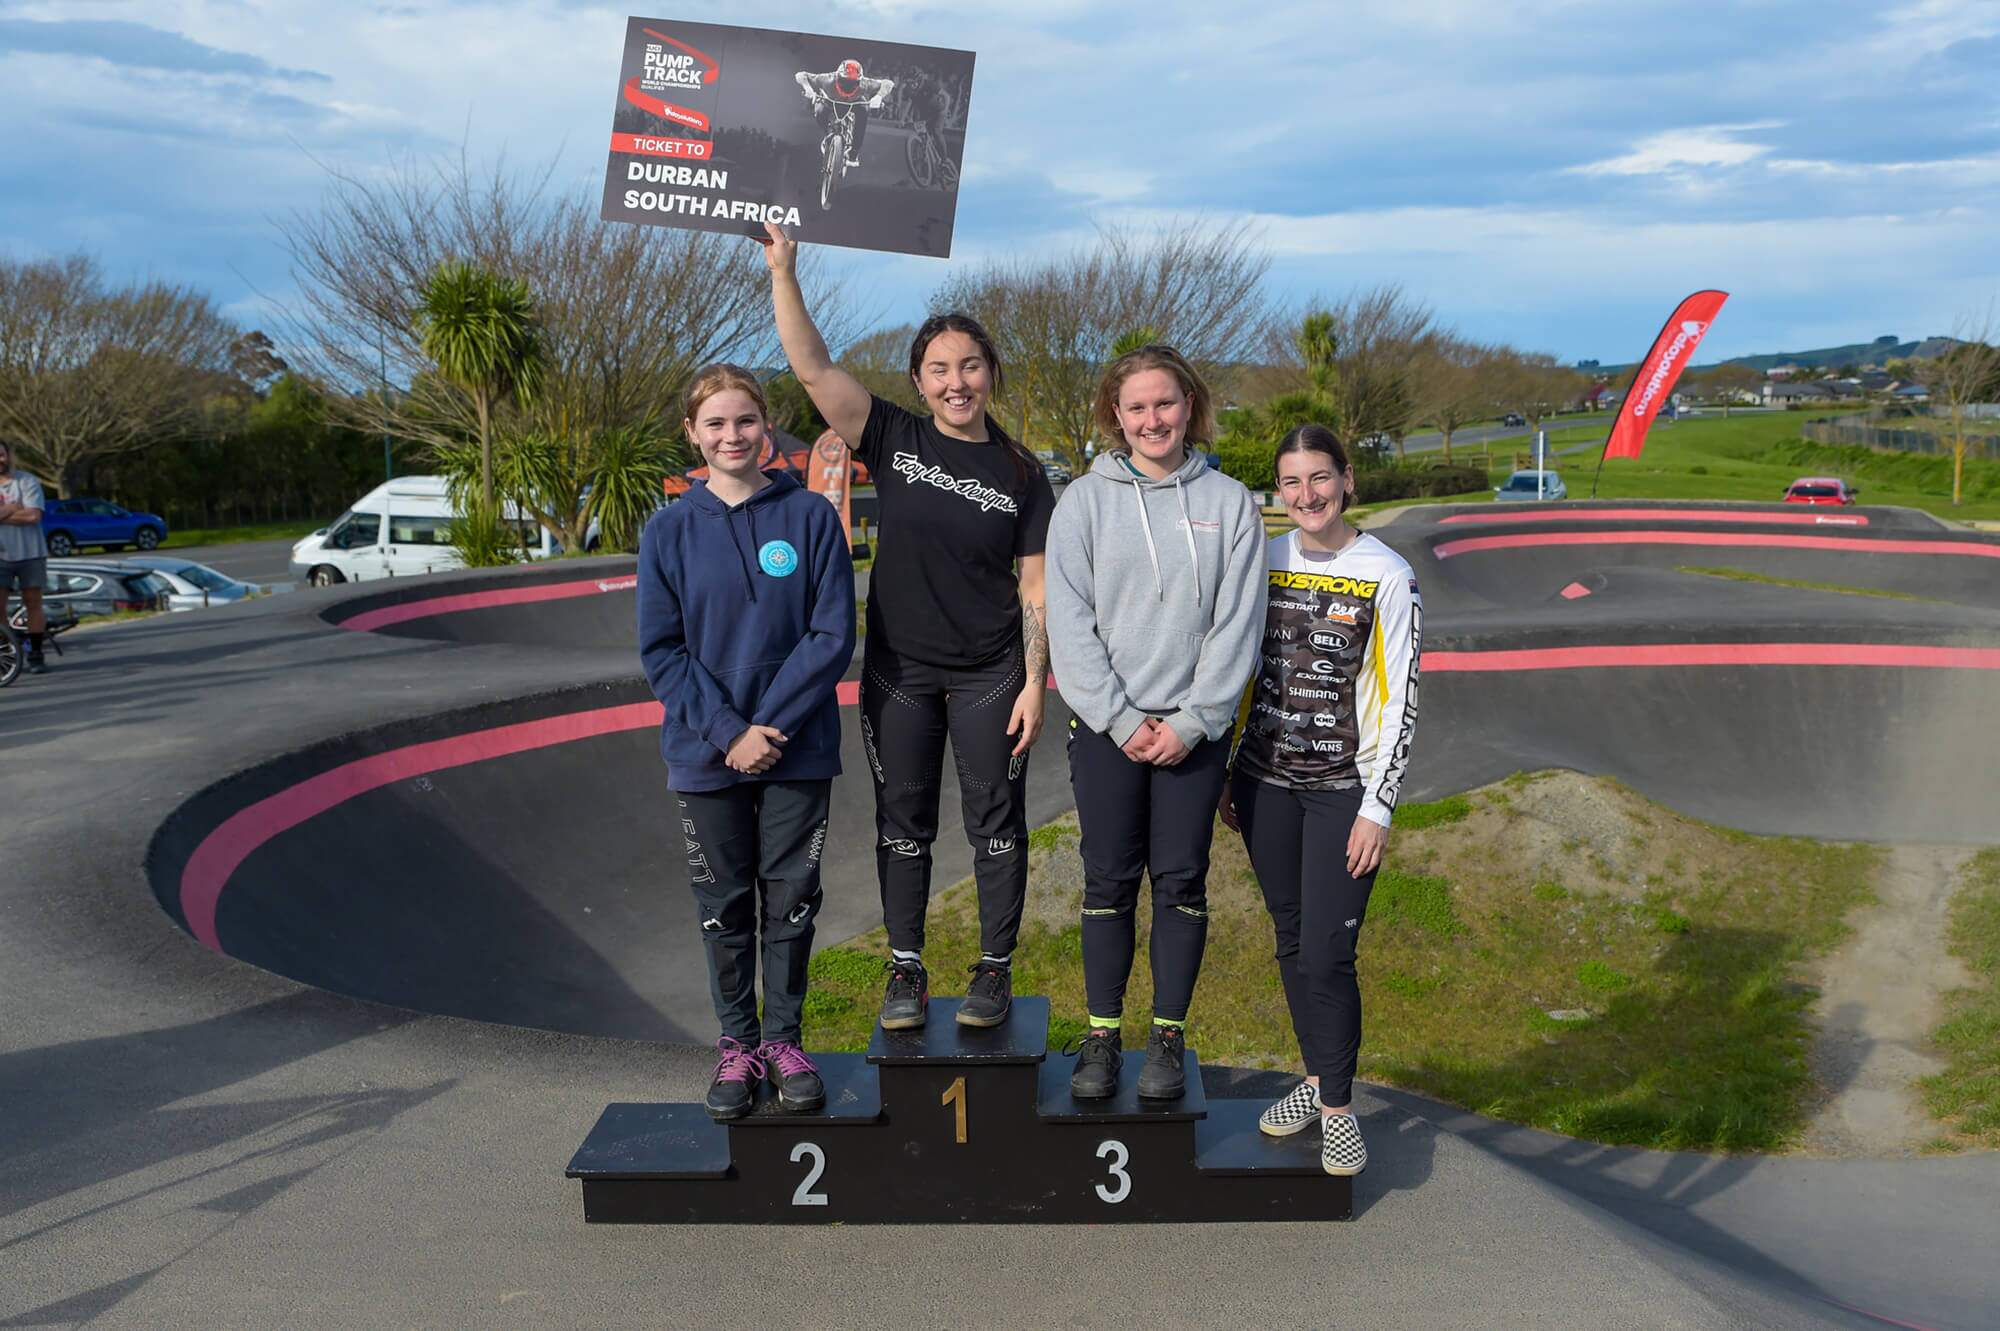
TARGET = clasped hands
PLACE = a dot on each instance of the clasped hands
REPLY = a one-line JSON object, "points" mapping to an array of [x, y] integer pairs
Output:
{"points": [[756, 750], [1155, 742]]}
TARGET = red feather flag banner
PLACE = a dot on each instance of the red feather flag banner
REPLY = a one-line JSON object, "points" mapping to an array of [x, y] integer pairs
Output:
{"points": [[1653, 385]]}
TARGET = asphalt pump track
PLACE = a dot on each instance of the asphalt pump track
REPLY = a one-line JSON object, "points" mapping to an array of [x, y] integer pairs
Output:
{"points": [[439, 840]]}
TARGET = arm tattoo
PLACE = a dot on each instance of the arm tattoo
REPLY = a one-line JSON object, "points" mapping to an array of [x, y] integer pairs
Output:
{"points": [[1035, 640]]}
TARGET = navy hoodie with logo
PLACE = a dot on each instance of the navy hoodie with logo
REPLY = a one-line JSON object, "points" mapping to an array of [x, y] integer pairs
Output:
{"points": [[746, 617]]}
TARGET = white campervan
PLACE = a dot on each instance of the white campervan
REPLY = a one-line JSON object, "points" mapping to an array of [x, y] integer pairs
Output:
{"points": [[398, 529]]}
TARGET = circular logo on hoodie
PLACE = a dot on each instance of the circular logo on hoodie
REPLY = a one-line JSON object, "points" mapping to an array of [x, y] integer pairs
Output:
{"points": [[778, 559]]}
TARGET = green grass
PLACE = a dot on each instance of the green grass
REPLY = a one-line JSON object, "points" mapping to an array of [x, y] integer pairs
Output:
{"points": [[262, 531], [1745, 575], [1751, 456], [1966, 1095], [1697, 1029]]}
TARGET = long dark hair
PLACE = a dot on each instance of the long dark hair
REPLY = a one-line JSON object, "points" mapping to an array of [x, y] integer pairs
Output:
{"points": [[951, 321], [1310, 438]]}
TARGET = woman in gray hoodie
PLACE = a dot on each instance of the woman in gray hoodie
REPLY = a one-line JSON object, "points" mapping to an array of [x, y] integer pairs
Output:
{"points": [[1156, 601]]}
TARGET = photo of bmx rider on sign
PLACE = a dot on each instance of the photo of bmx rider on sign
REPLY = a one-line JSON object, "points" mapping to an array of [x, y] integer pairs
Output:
{"points": [[838, 140]]}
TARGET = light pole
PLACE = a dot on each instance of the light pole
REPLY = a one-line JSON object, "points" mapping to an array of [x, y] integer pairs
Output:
{"points": [[382, 345]]}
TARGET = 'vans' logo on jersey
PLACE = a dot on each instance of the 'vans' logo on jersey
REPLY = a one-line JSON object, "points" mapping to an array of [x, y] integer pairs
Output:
{"points": [[778, 558], [1325, 641], [988, 498]]}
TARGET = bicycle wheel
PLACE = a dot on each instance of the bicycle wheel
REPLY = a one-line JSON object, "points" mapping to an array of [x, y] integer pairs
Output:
{"points": [[949, 170], [10, 656], [916, 151], [829, 169]]}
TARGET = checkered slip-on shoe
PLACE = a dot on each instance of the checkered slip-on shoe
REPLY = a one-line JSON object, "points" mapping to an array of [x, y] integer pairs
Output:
{"points": [[1295, 1113], [1341, 1151]]}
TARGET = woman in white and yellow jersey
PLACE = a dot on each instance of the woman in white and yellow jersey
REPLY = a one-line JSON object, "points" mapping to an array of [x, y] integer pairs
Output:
{"points": [[1326, 740]]}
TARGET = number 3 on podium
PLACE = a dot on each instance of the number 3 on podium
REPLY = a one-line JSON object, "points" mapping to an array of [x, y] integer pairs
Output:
{"points": [[1119, 1157]]}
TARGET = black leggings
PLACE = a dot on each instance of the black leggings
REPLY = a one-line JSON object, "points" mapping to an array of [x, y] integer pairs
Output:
{"points": [[753, 861], [1138, 819], [1298, 847], [907, 710]]}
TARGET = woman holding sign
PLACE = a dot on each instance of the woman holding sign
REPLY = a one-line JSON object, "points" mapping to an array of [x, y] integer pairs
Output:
{"points": [[957, 643], [1326, 739]]}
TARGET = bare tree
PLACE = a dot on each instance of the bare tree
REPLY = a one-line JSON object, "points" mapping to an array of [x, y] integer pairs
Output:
{"points": [[1453, 386], [626, 313], [881, 361], [1056, 320], [1533, 384], [1727, 382], [88, 371], [1967, 373]]}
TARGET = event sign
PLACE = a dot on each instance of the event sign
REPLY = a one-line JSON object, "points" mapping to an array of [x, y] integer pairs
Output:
{"points": [[839, 140], [1652, 387]]}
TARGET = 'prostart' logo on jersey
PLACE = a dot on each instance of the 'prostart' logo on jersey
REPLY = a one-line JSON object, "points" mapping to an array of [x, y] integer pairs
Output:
{"points": [[1321, 582]]}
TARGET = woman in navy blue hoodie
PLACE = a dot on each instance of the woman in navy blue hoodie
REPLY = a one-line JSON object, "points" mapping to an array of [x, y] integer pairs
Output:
{"points": [[746, 624]]}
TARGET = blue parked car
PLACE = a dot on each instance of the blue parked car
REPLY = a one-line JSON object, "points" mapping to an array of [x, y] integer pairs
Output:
{"points": [[71, 524]]}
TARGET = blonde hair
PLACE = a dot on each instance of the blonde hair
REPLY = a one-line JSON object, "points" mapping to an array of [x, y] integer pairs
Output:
{"points": [[1201, 408], [722, 377]]}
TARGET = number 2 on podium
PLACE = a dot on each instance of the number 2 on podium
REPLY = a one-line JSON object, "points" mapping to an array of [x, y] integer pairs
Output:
{"points": [[956, 1093]]}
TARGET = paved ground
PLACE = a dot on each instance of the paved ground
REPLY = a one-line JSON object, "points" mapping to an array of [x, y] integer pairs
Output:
{"points": [[194, 1140]]}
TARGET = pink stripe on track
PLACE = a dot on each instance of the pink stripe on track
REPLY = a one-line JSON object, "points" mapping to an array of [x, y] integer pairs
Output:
{"points": [[1778, 540], [1716, 654], [1794, 517], [370, 620]]}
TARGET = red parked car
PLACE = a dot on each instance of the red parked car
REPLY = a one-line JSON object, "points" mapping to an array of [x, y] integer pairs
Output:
{"points": [[1819, 490]]}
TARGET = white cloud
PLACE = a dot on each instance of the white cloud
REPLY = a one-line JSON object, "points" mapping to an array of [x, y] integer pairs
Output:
{"points": [[1676, 150]]}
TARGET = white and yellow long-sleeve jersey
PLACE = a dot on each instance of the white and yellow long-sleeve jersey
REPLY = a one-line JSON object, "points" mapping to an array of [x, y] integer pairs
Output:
{"points": [[1334, 701]]}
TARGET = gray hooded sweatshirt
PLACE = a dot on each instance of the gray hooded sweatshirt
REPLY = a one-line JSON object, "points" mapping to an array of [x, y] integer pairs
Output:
{"points": [[1155, 598]]}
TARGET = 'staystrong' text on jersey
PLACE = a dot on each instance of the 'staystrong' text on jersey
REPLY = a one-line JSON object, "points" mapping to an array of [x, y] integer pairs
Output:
{"points": [[955, 518], [1334, 702]]}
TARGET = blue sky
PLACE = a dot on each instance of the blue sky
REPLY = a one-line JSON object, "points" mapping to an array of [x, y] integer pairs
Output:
{"points": [[1552, 174]]}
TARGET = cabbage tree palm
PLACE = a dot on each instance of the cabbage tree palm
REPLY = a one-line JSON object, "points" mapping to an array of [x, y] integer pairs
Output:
{"points": [[479, 328]]}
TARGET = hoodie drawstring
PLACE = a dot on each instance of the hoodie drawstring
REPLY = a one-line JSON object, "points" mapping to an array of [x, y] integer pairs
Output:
{"points": [[742, 559], [1146, 523], [1187, 527]]}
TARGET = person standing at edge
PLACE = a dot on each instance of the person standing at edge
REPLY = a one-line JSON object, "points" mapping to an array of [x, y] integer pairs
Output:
{"points": [[746, 624], [1156, 570], [24, 555], [1326, 740], [957, 642]]}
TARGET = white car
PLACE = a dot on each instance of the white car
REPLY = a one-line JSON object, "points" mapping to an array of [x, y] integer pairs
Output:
{"points": [[1530, 486], [399, 529]]}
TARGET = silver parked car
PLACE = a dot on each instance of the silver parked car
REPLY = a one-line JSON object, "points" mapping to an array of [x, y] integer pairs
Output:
{"points": [[195, 585], [1530, 486], [101, 587]]}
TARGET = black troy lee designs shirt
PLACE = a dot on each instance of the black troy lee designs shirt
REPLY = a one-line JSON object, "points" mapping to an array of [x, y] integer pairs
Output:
{"points": [[955, 517]]}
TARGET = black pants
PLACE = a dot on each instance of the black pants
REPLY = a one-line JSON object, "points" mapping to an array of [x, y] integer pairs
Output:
{"points": [[907, 710], [1298, 847], [1138, 819], [753, 858]]}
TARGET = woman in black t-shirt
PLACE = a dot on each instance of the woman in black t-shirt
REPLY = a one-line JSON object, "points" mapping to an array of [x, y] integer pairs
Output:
{"points": [[957, 639]]}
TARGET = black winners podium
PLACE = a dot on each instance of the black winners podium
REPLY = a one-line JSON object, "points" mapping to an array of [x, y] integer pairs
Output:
{"points": [[955, 1124]]}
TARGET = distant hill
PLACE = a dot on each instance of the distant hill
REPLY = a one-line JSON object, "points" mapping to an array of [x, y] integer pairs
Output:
{"points": [[1885, 348]]}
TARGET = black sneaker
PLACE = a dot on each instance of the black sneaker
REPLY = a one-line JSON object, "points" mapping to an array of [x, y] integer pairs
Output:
{"points": [[1097, 1062], [1165, 1075], [738, 1072], [989, 996], [36, 665], [799, 1087], [908, 994]]}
